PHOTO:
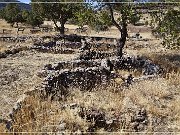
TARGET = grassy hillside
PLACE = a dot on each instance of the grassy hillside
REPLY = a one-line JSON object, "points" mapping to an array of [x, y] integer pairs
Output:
{"points": [[22, 5]]}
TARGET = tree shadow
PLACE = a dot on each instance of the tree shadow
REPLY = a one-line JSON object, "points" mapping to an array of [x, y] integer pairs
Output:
{"points": [[169, 62], [173, 58]]}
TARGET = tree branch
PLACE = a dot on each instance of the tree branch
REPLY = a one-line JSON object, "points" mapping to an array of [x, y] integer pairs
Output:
{"points": [[112, 17], [55, 23]]}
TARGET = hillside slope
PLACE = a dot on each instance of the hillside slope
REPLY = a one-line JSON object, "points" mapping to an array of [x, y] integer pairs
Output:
{"points": [[21, 5]]}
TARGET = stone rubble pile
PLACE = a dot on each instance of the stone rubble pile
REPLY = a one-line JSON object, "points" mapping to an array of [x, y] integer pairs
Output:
{"points": [[57, 83], [78, 38], [140, 120], [87, 74], [89, 55], [100, 119], [17, 106], [60, 46], [147, 66], [57, 47], [17, 39]]}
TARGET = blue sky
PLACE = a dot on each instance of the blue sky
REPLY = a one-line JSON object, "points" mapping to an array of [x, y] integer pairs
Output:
{"points": [[25, 1]]}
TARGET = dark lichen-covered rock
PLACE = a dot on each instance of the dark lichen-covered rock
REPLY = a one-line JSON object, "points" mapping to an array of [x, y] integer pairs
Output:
{"points": [[140, 120]]}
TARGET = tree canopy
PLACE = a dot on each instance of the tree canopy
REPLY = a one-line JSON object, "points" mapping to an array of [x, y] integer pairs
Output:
{"points": [[126, 14], [166, 25], [56, 11], [33, 19], [12, 14]]}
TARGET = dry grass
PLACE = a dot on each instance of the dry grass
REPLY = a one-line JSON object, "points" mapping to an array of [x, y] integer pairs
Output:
{"points": [[159, 96], [4, 24], [3, 46], [19, 74], [100, 98], [46, 116]]}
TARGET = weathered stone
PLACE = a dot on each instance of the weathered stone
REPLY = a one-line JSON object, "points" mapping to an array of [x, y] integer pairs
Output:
{"points": [[151, 69], [129, 80], [62, 126], [73, 105], [143, 111], [139, 121], [9, 125]]}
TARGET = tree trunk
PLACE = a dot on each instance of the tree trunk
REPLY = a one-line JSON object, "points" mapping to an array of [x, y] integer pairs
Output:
{"points": [[62, 28], [55, 23], [17, 24], [122, 40], [123, 31]]}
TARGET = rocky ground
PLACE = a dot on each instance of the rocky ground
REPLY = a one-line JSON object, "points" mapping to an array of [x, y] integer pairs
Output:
{"points": [[19, 74], [148, 105]]}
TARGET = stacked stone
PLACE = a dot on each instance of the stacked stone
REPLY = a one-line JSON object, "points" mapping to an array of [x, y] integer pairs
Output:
{"points": [[89, 55], [99, 120], [87, 74], [52, 47], [72, 45], [103, 46], [13, 39], [147, 66], [75, 63], [84, 78], [60, 79], [140, 120]]}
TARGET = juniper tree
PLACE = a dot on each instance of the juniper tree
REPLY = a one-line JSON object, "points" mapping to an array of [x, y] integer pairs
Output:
{"points": [[126, 13], [13, 14], [57, 11], [166, 24]]}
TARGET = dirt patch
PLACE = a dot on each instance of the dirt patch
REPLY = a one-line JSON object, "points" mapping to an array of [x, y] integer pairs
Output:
{"points": [[19, 74]]}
